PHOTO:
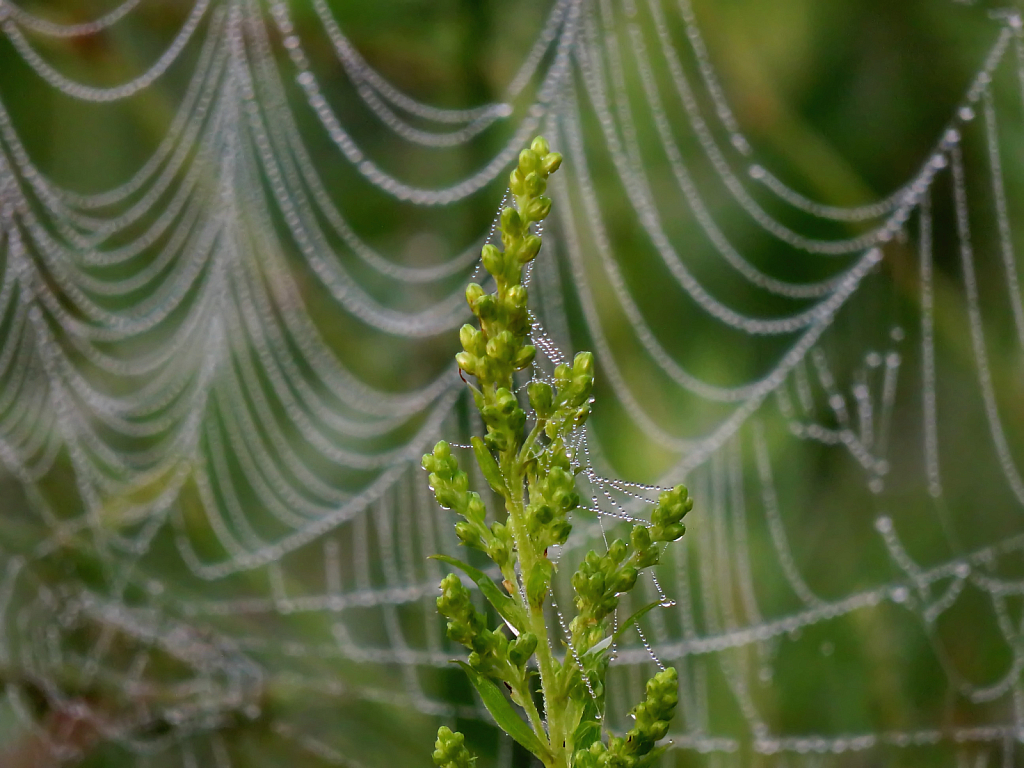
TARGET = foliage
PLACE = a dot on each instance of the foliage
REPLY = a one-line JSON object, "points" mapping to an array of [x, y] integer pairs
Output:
{"points": [[534, 472]]}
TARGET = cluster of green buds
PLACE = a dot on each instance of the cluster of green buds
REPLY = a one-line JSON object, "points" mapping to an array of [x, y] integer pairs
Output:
{"points": [[652, 716], [598, 582], [534, 472], [499, 347], [601, 579], [451, 489], [491, 652], [571, 400], [450, 750]]}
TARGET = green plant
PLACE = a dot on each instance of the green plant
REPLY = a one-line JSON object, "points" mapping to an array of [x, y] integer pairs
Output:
{"points": [[534, 472]]}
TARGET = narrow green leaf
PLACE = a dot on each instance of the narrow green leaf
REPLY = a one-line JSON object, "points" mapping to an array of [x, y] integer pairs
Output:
{"points": [[489, 466], [651, 757], [501, 710], [588, 731], [598, 647], [502, 602], [635, 617]]}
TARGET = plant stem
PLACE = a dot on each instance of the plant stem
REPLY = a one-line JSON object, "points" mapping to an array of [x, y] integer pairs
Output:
{"points": [[528, 557]]}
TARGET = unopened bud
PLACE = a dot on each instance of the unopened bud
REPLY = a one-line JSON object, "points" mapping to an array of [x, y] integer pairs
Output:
{"points": [[472, 340], [493, 260], [501, 347], [541, 398], [551, 163], [535, 184], [522, 648], [583, 364], [517, 296], [524, 357], [562, 373], [537, 210], [529, 250], [473, 294], [486, 307], [626, 579], [515, 182], [467, 362], [540, 146], [641, 538], [475, 509], [529, 162], [617, 551], [467, 534], [511, 223]]}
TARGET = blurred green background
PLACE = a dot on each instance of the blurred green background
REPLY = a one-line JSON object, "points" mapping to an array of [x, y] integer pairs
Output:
{"points": [[845, 101]]}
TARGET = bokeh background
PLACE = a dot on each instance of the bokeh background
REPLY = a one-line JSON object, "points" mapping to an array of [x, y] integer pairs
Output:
{"points": [[845, 101]]}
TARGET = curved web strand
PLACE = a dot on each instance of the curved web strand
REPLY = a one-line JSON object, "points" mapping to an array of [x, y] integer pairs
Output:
{"points": [[82, 92], [166, 356], [83, 29]]}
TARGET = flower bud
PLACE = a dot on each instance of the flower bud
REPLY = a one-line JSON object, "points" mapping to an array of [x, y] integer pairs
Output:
{"points": [[505, 401], [540, 146], [511, 223], [515, 182], [529, 249], [467, 362], [486, 307], [625, 580], [617, 551], [493, 260], [524, 357], [672, 532], [468, 335], [528, 162], [501, 347], [562, 373], [535, 185], [560, 532], [467, 534], [582, 414], [497, 441], [543, 514], [641, 538], [475, 509], [551, 163], [583, 364], [517, 296], [473, 294], [522, 648], [541, 397], [537, 209]]}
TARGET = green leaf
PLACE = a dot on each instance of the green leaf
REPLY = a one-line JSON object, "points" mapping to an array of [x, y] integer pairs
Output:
{"points": [[651, 757], [635, 617], [588, 731], [489, 466], [506, 717], [503, 603], [598, 647]]}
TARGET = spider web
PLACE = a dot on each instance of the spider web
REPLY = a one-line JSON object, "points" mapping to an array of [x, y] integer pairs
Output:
{"points": [[216, 551]]}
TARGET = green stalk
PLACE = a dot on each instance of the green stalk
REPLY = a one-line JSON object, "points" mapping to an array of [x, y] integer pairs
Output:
{"points": [[528, 557]]}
